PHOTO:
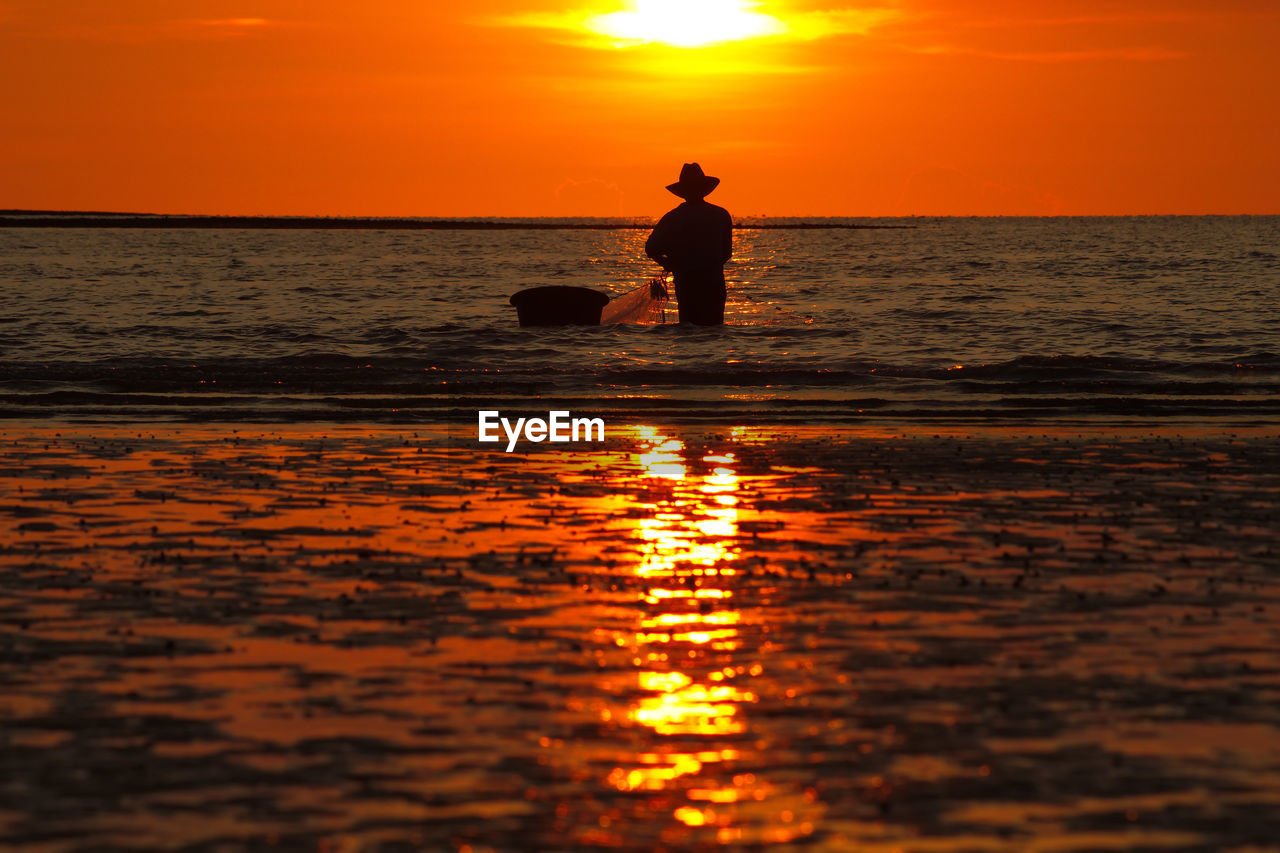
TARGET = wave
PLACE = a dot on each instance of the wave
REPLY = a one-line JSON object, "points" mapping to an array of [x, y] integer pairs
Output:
{"points": [[326, 384]]}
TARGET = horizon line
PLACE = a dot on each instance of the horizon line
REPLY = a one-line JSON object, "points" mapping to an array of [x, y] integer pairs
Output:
{"points": [[35, 218]]}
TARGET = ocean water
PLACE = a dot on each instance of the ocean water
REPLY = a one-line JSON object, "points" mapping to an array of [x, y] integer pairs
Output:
{"points": [[723, 627], [1135, 319]]}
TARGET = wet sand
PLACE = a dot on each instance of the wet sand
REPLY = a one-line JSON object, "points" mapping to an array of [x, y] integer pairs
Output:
{"points": [[341, 638]]}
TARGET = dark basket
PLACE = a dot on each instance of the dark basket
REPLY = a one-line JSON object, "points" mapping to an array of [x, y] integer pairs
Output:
{"points": [[559, 306]]}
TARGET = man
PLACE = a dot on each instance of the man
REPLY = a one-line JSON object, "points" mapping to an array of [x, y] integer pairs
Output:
{"points": [[694, 241]]}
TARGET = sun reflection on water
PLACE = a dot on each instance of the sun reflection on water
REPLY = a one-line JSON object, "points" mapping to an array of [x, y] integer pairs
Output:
{"points": [[693, 685]]}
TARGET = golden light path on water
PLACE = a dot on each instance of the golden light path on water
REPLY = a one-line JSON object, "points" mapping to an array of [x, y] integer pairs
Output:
{"points": [[696, 711]]}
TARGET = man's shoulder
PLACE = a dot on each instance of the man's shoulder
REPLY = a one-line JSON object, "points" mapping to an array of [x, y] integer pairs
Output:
{"points": [[691, 212], [666, 219]]}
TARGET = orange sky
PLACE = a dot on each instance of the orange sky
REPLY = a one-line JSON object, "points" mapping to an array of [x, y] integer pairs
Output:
{"points": [[512, 107]]}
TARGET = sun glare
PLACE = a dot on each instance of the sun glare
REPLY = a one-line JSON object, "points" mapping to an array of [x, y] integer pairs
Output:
{"points": [[686, 23]]}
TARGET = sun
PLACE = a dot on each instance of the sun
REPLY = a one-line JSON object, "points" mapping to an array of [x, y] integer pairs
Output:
{"points": [[686, 23]]}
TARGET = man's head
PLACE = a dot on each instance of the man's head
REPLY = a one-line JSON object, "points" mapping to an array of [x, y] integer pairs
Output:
{"points": [[693, 184]]}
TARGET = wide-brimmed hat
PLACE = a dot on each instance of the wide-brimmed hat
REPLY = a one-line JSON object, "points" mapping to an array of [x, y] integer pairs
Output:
{"points": [[692, 183]]}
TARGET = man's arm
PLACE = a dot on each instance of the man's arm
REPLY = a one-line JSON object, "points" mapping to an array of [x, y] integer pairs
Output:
{"points": [[656, 246]]}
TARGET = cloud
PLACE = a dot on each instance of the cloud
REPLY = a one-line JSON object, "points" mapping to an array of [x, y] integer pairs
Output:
{"points": [[1081, 20], [216, 27], [234, 23], [1122, 54], [589, 196], [173, 29], [1137, 18], [839, 22]]}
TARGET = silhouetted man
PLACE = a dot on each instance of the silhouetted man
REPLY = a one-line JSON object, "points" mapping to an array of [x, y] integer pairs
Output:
{"points": [[694, 241]]}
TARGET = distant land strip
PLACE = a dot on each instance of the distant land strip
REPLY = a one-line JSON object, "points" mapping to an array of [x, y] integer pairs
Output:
{"points": [[36, 219]]}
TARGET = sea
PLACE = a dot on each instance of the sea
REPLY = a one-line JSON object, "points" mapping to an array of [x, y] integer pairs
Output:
{"points": [[1154, 319], [959, 536]]}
